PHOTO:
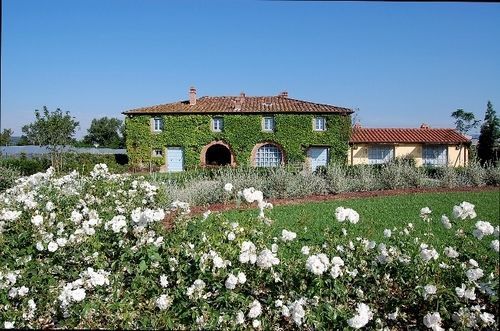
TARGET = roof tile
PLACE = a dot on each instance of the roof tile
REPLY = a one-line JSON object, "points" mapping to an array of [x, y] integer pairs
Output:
{"points": [[229, 104], [403, 135]]}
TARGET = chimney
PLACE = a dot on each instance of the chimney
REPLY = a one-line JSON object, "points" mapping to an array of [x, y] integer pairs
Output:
{"points": [[284, 94], [238, 103], [424, 126], [192, 96], [357, 125]]}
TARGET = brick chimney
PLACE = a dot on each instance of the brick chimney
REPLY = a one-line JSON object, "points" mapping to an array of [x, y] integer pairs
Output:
{"points": [[424, 126], [284, 94], [192, 96]]}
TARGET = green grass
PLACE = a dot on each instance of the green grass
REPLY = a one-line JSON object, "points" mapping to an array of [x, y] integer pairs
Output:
{"points": [[312, 221]]}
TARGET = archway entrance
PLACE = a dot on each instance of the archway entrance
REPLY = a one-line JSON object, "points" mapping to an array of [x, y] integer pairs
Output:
{"points": [[218, 155]]}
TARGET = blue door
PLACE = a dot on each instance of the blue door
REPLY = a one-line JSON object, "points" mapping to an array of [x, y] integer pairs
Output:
{"points": [[318, 156], [175, 159]]}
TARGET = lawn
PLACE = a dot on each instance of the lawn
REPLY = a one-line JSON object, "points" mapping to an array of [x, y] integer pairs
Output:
{"points": [[312, 221], [376, 214]]}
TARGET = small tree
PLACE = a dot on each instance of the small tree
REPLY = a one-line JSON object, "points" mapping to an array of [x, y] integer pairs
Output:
{"points": [[105, 132], [464, 121], [23, 141], [488, 138], [54, 130], [5, 137]]}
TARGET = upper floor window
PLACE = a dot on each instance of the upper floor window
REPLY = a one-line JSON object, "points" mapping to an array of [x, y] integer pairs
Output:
{"points": [[268, 124], [319, 124], [217, 124], [380, 154], [434, 155], [157, 124]]}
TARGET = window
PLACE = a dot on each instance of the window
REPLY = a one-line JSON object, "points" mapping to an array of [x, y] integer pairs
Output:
{"points": [[157, 152], [434, 155], [157, 124], [380, 154], [217, 124], [268, 124], [319, 124], [268, 156]]}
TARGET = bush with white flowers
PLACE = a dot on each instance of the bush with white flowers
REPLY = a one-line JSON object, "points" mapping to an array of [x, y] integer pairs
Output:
{"points": [[93, 252]]}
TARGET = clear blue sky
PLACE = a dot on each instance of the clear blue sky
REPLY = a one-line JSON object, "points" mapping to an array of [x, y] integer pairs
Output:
{"points": [[401, 64]]}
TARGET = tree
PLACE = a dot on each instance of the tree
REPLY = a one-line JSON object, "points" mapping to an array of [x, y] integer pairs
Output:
{"points": [[5, 137], [105, 132], [487, 145], [23, 141], [52, 129], [464, 121]]}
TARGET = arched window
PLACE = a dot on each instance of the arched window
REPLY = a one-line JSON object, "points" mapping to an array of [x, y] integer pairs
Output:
{"points": [[268, 156]]}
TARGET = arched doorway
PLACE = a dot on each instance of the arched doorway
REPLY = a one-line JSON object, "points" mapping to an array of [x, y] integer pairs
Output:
{"points": [[216, 154]]}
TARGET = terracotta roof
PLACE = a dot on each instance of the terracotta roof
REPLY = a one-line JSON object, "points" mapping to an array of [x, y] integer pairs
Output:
{"points": [[421, 135], [233, 104]]}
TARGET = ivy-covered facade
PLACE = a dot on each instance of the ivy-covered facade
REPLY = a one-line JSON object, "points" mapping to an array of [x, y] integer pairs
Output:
{"points": [[241, 130]]}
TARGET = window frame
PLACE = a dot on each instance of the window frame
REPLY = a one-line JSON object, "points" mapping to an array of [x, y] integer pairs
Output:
{"points": [[264, 121], [321, 119], [268, 156], [378, 150], [158, 120], [437, 160], [220, 121], [155, 151]]}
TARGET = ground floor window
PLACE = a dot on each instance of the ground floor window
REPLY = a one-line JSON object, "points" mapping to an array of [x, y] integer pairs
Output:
{"points": [[378, 154], [268, 156], [157, 152], [435, 155]]}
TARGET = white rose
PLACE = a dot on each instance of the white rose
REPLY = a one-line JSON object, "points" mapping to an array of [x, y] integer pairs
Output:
{"points": [[52, 247]]}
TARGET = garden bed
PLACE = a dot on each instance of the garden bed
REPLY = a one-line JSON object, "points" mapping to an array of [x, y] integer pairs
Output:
{"points": [[92, 252]]}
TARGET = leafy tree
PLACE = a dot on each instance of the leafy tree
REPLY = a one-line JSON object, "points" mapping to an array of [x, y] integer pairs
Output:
{"points": [[464, 121], [52, 129], [105, 132], [488, 138], [23, 141], [5, 137]]}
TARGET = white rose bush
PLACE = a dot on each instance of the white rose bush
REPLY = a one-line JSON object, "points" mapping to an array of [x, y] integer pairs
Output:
{"points": [[93, 252]]}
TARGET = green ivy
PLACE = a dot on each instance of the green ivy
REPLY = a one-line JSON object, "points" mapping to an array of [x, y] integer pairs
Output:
{"points": [[241, 132]]}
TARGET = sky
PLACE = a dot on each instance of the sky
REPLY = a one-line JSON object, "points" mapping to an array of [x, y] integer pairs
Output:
{"points": [[398, 64]]}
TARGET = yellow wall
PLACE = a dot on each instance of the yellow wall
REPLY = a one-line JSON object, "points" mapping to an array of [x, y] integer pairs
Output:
{"points": [[413, 151], [456, 157]]}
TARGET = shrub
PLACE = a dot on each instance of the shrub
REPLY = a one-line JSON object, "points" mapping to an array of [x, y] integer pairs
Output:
{"points": [[336, 178], [8, 176], [26, 166], [400, 174], [200, 192], [363, 178], [82, 162], [473, 175], [448, 177], [492, 175]]}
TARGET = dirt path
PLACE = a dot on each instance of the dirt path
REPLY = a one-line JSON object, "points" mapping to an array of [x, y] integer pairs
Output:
{"points": [[219, 207]]}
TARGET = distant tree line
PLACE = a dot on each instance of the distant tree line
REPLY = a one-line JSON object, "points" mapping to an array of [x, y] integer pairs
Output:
{"points": [[103, 132]]}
